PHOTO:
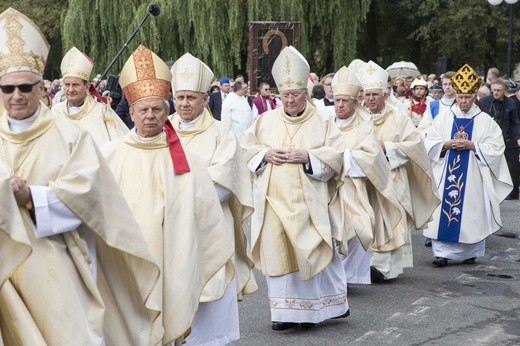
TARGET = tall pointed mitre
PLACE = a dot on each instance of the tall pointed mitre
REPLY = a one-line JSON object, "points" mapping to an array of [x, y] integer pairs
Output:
{"points": [[466, 80], [145, 75], [373, 76], [22, 44], [290, 70], [345, 82], [190, 73], [310, 85], [76, 64]]}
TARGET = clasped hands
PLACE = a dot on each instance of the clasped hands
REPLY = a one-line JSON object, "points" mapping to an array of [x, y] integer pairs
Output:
{"points": [[21, 190], [281, 156], [458, 144]]}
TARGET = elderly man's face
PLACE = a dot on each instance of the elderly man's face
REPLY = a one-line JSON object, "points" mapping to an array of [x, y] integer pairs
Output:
{"points": [[375, 100], [294, 101], [21, 104], [149, 116], [465, 101], [76, 90], [344, 106], [189, 104]]}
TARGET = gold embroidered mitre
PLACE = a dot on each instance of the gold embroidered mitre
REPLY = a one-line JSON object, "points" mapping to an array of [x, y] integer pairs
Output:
{"points": [[145, 75], [372, 76], [290, 70], [76, 64], [190, 73], [466, 80], [345, 82], [22, 44]]}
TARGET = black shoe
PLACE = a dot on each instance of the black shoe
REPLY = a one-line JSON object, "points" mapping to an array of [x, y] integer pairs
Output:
{"points": [[346, 314], [376, 276], [282, 325], [428, 242], [440, 262], [307, 325], [469, 260], [511, 196]]}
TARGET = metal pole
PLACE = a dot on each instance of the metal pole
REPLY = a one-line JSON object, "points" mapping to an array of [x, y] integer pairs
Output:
{"points": [[121, 50], [509, 43]]}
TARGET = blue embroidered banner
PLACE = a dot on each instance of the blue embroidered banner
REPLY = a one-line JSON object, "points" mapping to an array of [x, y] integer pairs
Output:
{"points": [[454, 186]]}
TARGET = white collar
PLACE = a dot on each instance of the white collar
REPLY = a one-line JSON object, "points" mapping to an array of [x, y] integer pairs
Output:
{"points": [[183, 125], [16, 125], [138, 138], [342, 122]]}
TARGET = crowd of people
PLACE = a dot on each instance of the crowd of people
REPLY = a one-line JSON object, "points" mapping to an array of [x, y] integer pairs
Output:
{"points": [[148, 234]]}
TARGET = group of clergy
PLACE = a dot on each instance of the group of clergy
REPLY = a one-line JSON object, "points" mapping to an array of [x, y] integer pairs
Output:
{"points": [[139, 237]]}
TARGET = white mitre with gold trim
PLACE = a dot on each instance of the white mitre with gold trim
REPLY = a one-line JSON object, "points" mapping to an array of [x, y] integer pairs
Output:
{"points": [[22, 44], [290, 70], [373, 76], [145, 75], [76, 64], [345, 82], [190, 73]]}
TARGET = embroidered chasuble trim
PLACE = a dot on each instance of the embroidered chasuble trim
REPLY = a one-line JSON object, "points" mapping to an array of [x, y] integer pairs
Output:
{"points": [[455, 184], [306, 303]]}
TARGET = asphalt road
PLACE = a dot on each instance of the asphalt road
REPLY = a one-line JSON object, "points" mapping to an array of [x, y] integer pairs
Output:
{"points": [[455, 305]]}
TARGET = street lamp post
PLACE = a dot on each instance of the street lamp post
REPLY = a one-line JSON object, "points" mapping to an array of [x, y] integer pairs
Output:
{"points": [[510, 37]]}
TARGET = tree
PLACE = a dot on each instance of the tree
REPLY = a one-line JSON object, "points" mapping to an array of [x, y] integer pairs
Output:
{"points": [[214, 31]]}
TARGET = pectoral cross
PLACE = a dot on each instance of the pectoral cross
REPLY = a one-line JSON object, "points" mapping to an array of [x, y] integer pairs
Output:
{"points": [[289, 144], [461, 134]]}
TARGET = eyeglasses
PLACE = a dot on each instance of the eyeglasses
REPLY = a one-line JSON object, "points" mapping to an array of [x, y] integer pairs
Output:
{"points": [[24, 88]]}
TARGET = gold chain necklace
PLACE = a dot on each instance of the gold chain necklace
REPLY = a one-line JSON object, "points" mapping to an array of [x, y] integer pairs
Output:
{"points": [[290, 143], [461, 133]]}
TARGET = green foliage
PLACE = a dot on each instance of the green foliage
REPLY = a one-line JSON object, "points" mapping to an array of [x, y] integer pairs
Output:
{"points": [[46, 14], [214, 31]]}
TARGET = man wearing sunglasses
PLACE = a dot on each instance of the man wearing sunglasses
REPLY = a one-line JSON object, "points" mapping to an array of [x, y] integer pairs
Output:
{"points": [[75, 276], [103, 124], [265, 101]]}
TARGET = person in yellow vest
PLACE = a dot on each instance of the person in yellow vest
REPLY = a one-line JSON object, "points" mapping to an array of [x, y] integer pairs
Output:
{"points": [[172, 197], [294, 152], [74, 266], [366, 198], [409, 164], [97, 118]]}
